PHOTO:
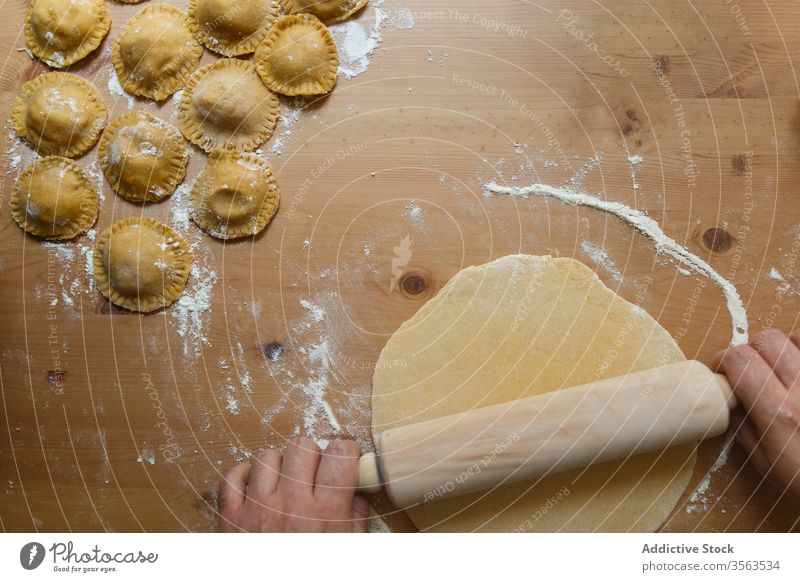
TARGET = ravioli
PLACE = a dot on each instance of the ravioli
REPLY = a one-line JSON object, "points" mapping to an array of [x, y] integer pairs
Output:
{"points": [[226, 106], [328, 11], [156, 52], [232, 28], [143, 157], [62, 32], [141, 264], [54, 199], [235, 195], [59, 114], [298, 57]]}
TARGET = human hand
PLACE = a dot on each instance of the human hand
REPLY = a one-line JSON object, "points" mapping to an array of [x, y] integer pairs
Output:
{"points": [[302, 490], [765, 377]]}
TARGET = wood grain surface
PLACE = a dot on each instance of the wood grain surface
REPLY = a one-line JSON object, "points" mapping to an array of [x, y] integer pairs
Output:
{"points": [[113, 422]]}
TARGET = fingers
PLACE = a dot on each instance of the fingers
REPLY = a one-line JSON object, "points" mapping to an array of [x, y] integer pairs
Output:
{"points": [[360, 514], [337, 476], [265, 474], [756, 387], [299, 467], [781, 354], [749, 438], [232, 491]]}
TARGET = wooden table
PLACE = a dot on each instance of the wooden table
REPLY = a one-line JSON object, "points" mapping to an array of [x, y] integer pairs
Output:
{"points": [[107, 424]]}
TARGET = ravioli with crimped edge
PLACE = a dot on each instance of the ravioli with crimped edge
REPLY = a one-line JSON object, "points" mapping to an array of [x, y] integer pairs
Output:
{"points": [[298, 57], [143, 157], [156, 52], [54, 199], [62, 32], [59, 114], [232, 28], [141, 264], [226, 106], [235, 195]]}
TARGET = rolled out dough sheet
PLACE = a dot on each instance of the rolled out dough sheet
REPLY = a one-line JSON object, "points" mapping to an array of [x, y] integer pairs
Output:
{"points": [[515, 327]]}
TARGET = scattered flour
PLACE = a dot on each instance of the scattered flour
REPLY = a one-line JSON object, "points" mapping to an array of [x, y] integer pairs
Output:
{"points": [[233, 405], [775, 275], [358, 38], [291, 109], [315, 338], [600, 257], [146, 456], [176, 100], [192, 310], [277, 146], [577, 179], [699, 496], [94, 171], [635, 161], [317, 313], [115, 88], [415, 214], [179, 209], [377, 525], [650, 228]]}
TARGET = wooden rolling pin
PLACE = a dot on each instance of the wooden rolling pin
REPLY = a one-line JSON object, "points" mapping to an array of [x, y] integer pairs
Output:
{"points": [[552, 432]]}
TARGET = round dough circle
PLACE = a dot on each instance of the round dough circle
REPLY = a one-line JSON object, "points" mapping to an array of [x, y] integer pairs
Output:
{"points": [[156, 52], [54, 199], [59, 114], [62, 32], [232, 28], [516, 327], [143, 157], [141, 264], [235, 195], [226, 106], [298, 57]]}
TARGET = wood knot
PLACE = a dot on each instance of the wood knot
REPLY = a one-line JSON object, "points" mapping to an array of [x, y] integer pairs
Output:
{"points": [[273, 351], [717, 240], [415, 284], [739, 164]]}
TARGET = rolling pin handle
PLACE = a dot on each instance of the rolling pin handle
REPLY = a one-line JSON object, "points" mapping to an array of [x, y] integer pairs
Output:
{"points": [[369, 475], [727, 391]]}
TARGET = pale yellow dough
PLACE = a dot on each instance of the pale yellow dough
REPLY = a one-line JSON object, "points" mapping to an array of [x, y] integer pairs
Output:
{"points": [[328, 11], [141, 264], [226, 106], [59, 114], [54, 199], [519, 326], [62, 32], [235, 195], [156, 52], [143, 157], [232, 27], [298, 57]]}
